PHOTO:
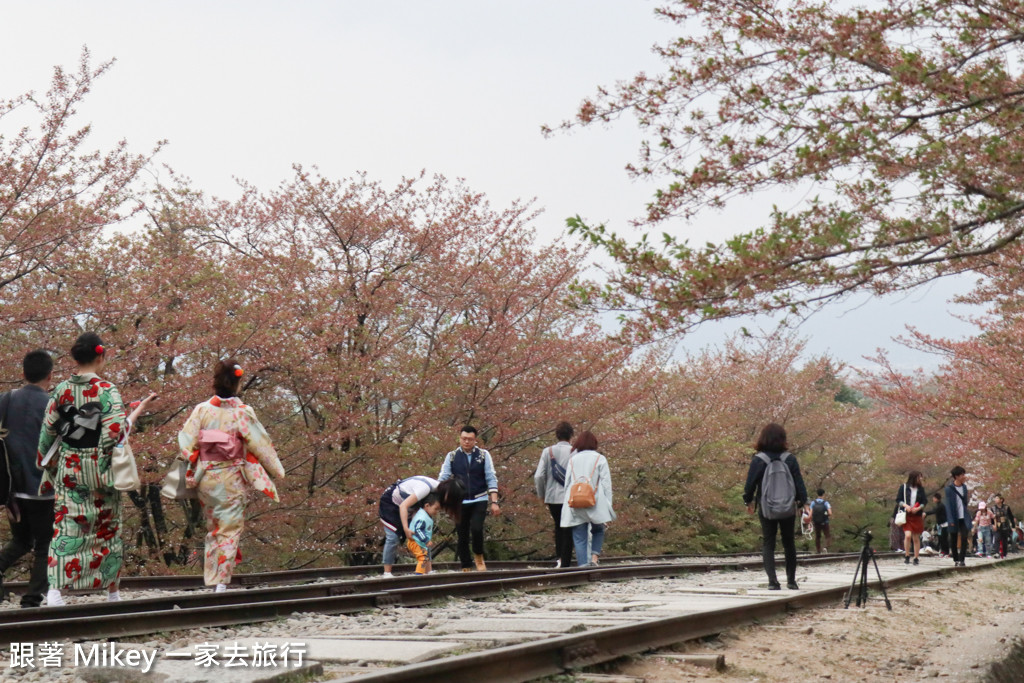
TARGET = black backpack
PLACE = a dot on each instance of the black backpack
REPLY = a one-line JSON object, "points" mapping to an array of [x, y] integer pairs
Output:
{"points": [[819, 513]]}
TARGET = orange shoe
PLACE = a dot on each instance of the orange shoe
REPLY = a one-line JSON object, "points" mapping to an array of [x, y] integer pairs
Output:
{"points": [[480, 565]]}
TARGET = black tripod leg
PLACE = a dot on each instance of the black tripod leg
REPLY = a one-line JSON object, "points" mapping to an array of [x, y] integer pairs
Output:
{"points": [[880, 582], [849, 593], [862, 599]]}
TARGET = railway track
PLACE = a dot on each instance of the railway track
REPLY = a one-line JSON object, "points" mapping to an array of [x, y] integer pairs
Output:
{"points": [[143, 616], [663, 603], [295, 576], [560, 653]]}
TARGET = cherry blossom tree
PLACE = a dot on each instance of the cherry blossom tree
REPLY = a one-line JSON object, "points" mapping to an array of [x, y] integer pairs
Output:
{"points": [[892, 129], [55, 195], [970, 407], [679, 457]]}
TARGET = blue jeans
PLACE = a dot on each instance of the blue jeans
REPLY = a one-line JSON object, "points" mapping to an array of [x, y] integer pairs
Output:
{"points": [[391, 541], [579, 539], [985, 540]]}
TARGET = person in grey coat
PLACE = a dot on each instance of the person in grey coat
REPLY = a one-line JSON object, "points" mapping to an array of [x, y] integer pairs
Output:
{"points": [[590, 466], [549, 479], [30, 514]]}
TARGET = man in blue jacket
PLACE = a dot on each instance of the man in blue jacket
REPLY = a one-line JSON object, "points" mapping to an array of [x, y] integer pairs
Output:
{"points": [[30, 514], [474, 469]]}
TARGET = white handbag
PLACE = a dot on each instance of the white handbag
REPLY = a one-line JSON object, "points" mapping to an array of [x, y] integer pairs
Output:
{"points": [[173, 486], [124, 469], [901, 518]]}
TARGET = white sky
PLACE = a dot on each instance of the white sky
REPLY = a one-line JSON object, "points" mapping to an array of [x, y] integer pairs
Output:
{"points": [[246, 89]]}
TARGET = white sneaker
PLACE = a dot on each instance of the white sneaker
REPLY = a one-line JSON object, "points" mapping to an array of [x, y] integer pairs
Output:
{"points": [[558, 564], [53, 598], [114, 597], [220, 588], [387, 575]]}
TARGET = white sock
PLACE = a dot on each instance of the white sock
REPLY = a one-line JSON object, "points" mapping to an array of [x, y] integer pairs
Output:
{"points": [[220, 588], [114, 596], [53, 598]]}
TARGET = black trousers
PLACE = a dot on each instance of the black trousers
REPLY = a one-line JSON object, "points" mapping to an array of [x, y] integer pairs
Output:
{"points": [[944, 539], [32, 533], [786, 527], [471, 523], [563, 535], [959, 539]]}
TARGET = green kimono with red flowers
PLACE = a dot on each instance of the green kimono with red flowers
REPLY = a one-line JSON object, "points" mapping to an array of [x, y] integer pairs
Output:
{"points": [[86, 550]]}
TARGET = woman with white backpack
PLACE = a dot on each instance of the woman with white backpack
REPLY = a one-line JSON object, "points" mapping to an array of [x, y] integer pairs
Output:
{"points": [[588, 498]]}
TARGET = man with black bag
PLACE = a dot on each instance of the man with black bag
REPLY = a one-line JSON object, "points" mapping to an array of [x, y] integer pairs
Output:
{"points": [[29, 513], [549, 480], [821, 517]]}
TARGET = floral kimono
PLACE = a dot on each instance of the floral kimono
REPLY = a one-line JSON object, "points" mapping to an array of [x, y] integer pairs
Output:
{"points": [[86, 550], [223, 485]]}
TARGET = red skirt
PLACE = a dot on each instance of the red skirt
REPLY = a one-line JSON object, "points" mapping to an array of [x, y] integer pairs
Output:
{"points": [[915, 523]]}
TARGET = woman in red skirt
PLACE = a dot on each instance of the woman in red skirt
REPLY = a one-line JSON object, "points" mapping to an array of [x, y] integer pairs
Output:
{"points": [[911, 498]]}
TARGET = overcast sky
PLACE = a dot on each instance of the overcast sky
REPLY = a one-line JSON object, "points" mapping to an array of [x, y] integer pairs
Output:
{"points": [[246, 89]]}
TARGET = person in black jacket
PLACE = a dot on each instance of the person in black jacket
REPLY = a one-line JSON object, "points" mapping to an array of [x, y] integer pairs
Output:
{"points": [[772, 442], [911, 497], [30, 514], [958, 516], [938, 511], [1003, 526]]}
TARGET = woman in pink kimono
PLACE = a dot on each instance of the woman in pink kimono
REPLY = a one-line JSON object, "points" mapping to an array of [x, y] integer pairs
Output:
{"points": [[229, 452]]}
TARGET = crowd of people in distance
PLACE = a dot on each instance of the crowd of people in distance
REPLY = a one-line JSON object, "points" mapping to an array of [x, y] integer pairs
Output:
{"points": [[951, 526], [60, 494]]}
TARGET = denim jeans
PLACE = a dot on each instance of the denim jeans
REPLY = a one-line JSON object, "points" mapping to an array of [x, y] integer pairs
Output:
{"points": [[391, 541], [579, 539], [985, 540]]}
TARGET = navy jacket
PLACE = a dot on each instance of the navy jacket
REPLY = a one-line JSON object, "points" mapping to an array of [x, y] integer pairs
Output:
{"points": [[474, 470], [24, 409], [951, 497]]}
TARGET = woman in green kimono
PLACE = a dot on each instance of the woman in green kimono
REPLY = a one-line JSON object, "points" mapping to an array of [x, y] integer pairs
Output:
{"points": [[86, 413]]}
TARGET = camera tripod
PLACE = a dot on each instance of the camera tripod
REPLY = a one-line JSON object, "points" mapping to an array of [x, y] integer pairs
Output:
{"points": [[866, 553]]}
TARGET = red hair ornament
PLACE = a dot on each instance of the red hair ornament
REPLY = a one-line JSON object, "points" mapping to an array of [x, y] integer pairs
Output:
{"points": [[99, 349], [238, 371]]}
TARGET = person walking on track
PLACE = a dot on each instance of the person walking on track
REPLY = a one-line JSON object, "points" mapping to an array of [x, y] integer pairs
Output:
{"points": [[229, 452], [29, 513], [549, 480], [474, 469], [775, 489]]}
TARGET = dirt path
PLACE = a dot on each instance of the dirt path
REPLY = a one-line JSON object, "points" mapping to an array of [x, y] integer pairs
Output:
{"points": [[950, 629]]}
